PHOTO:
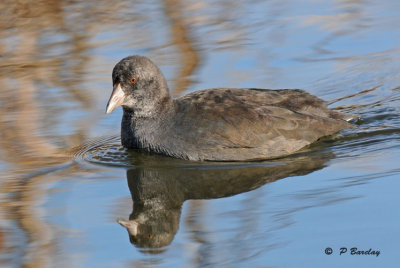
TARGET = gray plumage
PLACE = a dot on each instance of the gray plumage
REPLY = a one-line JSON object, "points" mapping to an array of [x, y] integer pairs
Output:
{"points": [[222, 124]]}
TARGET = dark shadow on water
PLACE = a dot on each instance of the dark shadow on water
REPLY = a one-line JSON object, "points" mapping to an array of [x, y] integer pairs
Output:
{"points": [[158, 191]]}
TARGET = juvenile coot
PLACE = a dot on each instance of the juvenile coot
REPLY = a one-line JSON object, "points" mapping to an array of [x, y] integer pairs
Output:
{"points": [[219, 124]]}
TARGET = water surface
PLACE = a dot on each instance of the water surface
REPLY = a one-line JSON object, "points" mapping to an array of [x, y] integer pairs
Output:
{"points": [[65, 179]]}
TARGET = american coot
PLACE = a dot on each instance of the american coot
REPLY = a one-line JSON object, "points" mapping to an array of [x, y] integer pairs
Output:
{"points": [[222, 124]]}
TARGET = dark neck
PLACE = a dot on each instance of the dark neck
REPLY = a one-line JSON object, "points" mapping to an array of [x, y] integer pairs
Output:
{"points": [[149, 110], [138, 127]]}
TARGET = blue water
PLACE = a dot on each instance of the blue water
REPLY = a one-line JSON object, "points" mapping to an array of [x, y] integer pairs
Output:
{"points": [[65, 180]]}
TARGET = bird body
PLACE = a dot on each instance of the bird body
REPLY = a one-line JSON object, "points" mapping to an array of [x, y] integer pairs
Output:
{"points": [[220, 124]]}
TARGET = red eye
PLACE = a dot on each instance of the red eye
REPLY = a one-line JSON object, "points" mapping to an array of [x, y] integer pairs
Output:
{"points": [[133, 80]]}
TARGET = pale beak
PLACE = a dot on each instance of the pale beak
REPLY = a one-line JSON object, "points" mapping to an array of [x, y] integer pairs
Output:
{"points": [[117, 98], [131, 226]]}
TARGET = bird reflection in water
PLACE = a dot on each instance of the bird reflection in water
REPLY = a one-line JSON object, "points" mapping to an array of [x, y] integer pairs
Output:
{"points": [[158, 192]]}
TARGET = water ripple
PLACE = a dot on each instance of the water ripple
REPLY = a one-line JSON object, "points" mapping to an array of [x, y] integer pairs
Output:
{"points": [[106, 150]]}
